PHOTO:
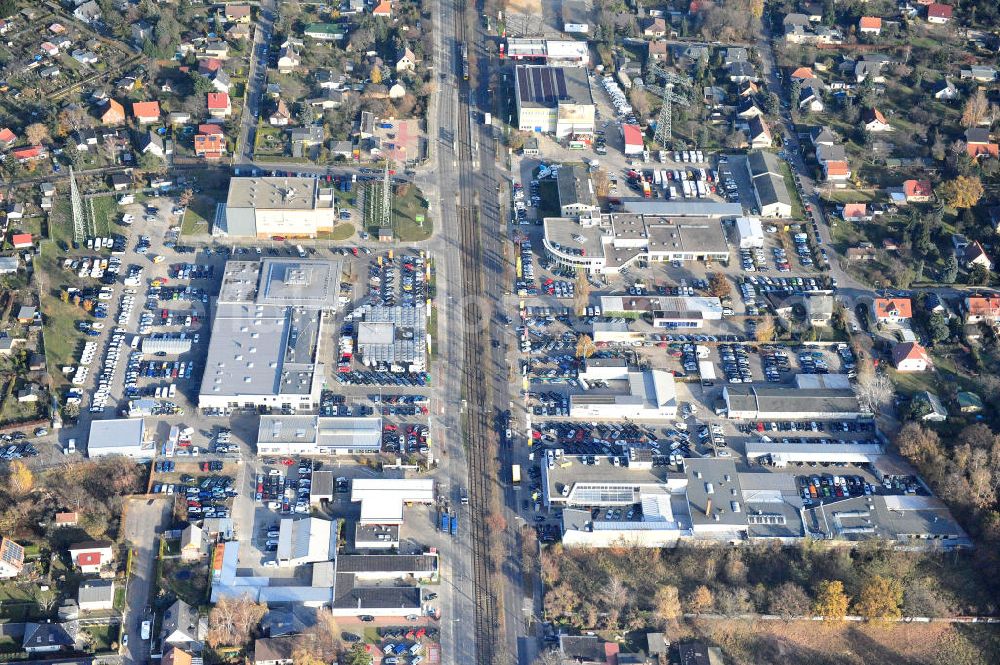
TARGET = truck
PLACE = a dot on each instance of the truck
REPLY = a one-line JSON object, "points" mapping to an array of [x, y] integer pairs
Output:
{"points": [[515, 474], [487, 119], [444, 522], [454, 525], [646, 191], [657, 178]]}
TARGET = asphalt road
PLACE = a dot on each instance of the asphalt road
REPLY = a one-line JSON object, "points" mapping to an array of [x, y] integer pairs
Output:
{"points": [[257, 80], [145, 519]]}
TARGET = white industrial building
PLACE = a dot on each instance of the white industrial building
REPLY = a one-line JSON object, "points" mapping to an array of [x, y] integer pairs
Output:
{"points": [[750, 233], [642, 395], [783, 454], [554, 100], [382, 499], [665, 311], [270, 319], [763, 402], [552, 52], [121, 436], [268, 207], [318, 435], [606, 244], [305, 540]]}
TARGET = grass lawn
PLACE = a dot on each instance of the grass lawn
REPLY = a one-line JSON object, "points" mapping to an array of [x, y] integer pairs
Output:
{"points": [[13, 411], [270, 141], [199, 214], [848, 196], [432, 328], [189, 582], [343, 231], [793, 192], [100, 637], [59, 318], [104, 211], [61, 221], [406, 207]]}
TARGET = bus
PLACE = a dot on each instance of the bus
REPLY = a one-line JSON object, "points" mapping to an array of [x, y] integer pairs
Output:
{"points": [[515, 475]]}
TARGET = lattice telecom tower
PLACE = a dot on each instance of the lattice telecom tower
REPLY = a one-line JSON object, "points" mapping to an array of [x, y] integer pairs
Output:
{"points": [[664, 128], [79, 215]]}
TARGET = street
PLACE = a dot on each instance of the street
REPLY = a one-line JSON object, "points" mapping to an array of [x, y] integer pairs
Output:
{"points": [[145, 519]]}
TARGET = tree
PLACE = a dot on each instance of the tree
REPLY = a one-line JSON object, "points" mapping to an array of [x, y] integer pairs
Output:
{"points": [[874, 391], [232, 620], [358, 656], [719, 286], [200, 84], [765, 329], [736, 140], [788, 600], [938, 328], [757, 8], [581, 293], [979, 275], [184, 200], [831, 602], [880, 599], [72, 118], [36, 133], [20, 478], [320, 644], [976, 110], [666, 605], [701, 600], [950, 272], [962, 192], [7, 7], [639, 101], [585, 346], [376, 75]]}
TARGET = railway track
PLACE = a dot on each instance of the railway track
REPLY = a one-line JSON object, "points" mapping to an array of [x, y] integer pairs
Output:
{"points": [[480, 434]]}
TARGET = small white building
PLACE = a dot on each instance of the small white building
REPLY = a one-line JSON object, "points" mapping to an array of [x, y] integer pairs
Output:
{"points": [[96, 595], [305, 541], [647, 395], [750, 233], [121, 436]]}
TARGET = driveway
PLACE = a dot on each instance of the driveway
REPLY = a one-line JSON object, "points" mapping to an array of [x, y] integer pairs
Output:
{"points": [[145, 519]]}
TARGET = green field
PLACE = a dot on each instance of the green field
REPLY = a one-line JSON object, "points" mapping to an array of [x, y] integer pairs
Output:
{"points": [[59, 318], [406, 207]]}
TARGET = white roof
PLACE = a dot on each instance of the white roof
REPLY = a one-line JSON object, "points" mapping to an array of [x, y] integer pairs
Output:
{"points": [[305, 540], [114, 434], [382, 499], [749, 227]]}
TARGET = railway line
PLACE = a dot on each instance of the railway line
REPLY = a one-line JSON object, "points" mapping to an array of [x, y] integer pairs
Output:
{"points": [[480, 434]]}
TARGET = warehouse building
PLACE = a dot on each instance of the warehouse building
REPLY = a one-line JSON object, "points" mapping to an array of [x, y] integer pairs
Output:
{"points": [[552, 52], [783, 454], [769, 186], [607, 244], [121, 436], [318, 435], [268, 207], [576, 192], [750, 233], [638, 395], [909, 521], [665, 311], [269, 319], [554, 100], [305, 541], [170, 345], [382, 499], [750, 402]]}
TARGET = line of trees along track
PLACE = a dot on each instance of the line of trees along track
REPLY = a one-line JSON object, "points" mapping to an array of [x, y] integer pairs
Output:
{"points": [[480, 434]]}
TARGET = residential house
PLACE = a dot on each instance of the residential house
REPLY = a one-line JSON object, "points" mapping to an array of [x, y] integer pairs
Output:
{"points": [[979, 309], [219, 105], [141, 31], [654, 27], [180, 625], [747, 108], [288, 58], [114, 114], [178, 656], [855, 212], [863, 69], [983, 151], [935, 411], [741, 72], [210, 141], [938, 13], [874, 121], [152, 144], [7, 137], [870, 25], [192, 545], [917, 191], [91, 556], [96, 595], [84, 139], [946, 91], [307, 136], [383, 9], [15, 210], [326, 32], [84, 57], [178, 118], [735, 54], [120, 182], [28, 153], [819, 309], [657, 50], [11, 558], [769, 187], [25, 240], [216, 48], [975, 255], [969, 402], [892, 310], [238, 32], [274, 650], [29, 394], [49, 637], [146, 112], [406, 62], [342, 149], [759, 133], [823, 136], [977, 136], [587, 650], [27, 314], [221, 80], [281, 115], [979, 73], [88, 12], [330, 99], [810, 99], [910, 357], [8, 266], [798, 29], [237, 13], [66, 519]]}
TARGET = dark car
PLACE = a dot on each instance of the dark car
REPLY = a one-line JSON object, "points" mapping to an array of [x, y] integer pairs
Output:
{"points": [[367, 617]]}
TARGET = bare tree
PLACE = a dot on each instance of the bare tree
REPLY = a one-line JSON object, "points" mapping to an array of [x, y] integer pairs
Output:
{"points": [[232, 620], [585, 346], [875, 391], [581, 293], [977, 109]]}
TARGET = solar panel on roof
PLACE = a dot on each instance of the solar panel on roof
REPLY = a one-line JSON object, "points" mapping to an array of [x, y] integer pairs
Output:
{"points": [[560, 77]]}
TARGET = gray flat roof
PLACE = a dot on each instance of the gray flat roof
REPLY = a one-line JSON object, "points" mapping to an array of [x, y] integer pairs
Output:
{"points": [[347, 596], [767, 399], [330, 431], [545, 87], [386, 563], [115, 433], [272, 193], [683, 208], [364, 533], [674, 235], [713, 486], [575, 187], [771, 189]]}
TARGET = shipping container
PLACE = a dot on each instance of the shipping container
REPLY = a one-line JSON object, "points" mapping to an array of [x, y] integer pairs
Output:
{"points": [[454, 525]]}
